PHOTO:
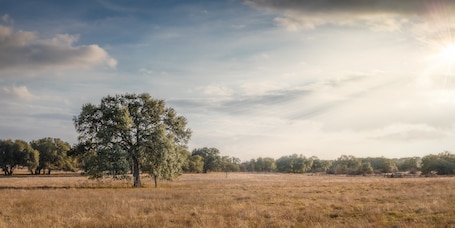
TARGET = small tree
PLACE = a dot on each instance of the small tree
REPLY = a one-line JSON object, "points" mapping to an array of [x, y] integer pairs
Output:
{"points": [[269, 164], [249, 166], [165, 163], [366, 168], [17, 153], [411, 165], [230, 164], [52, 155], [345, 165], [320, 165], [381, 164], [195, 164], [294, 164], [29, 157], [284, 164], [442, 164], [212, 159]]}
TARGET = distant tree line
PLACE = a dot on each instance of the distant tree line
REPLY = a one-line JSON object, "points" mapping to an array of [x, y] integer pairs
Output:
{"points": [[39, 156], [349, 165], [44, 155], [204, 160], [209, 160]]}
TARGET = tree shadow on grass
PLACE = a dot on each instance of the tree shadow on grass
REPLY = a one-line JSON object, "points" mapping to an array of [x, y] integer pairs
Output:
{"points": [[45, 187], [34, 187], [75, 174]]}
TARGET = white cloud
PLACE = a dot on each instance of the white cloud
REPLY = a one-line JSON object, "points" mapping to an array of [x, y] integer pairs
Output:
{"points": [[384, 15], [145, 71], [295, 20], [411, 132], [25, 51], [261, 87], [217, 91], [18, 92]]}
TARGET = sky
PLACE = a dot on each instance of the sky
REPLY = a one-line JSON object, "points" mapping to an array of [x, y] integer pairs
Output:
{"points": [[254, 78]]}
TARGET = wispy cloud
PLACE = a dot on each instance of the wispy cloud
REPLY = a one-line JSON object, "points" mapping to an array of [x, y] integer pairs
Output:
{"points": [[18, 92], [411, 132], [387, 15]]}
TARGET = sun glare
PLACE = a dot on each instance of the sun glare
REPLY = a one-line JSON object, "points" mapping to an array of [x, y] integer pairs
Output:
{"points": [[442, 63], [447, 54]]}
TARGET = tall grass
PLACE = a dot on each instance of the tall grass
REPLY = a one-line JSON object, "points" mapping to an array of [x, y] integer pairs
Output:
{"points": [[238, 200]]}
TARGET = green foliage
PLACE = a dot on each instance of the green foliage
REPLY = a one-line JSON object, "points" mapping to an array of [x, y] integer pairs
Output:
{"points": [[345, 165], [248, 166], [381, 164], [196, 164], [320, 165], [211, 157], [230, 164], [294, 164], [185, 155], [366, 168], [17, 153], [29, 157], [165, 163], [265, 164], [192, 164], [134, 130], [8, 157], [209, 160], [442, 164], [260, 165], [53, 155], [108, 161], [411, 165]]}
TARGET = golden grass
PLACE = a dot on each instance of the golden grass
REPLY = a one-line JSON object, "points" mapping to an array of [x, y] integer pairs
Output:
{"points": [[240, 200]]}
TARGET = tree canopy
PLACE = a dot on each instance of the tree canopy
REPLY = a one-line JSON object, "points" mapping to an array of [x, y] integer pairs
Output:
{"points": [[294, 164], [17, 153], [211, 158], [53, 155], [131, 132], [442, 163]]}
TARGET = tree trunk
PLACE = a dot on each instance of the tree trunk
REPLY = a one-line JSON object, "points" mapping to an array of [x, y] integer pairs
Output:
{"points": [[155, 179], [9, 171], [136, 174]]}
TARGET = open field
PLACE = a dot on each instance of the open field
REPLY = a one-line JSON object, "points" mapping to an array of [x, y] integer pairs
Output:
{"points": [[238, 200]]}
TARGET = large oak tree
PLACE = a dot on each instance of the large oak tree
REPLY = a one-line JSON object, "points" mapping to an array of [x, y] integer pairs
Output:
{"points": [[131, 132]]}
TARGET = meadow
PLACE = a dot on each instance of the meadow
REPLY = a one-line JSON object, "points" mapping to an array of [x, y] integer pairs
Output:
{"points": [[235, 200]]}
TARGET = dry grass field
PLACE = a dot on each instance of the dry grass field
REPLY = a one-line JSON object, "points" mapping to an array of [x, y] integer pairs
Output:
{"points": [[238, 200]]}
